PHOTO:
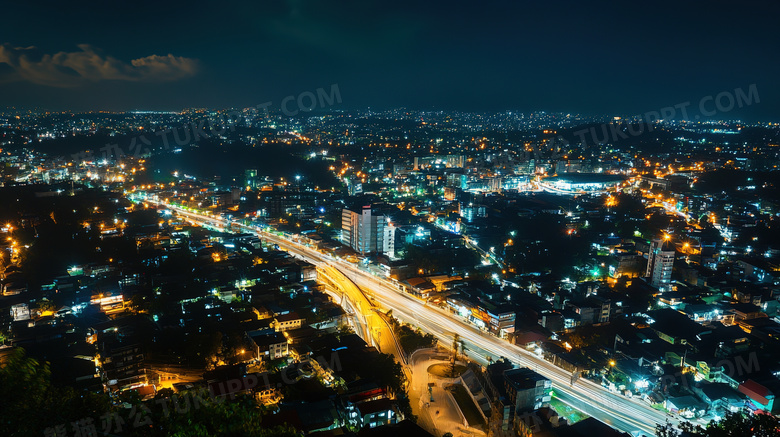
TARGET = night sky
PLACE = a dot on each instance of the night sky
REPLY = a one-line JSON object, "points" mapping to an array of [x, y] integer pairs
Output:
{"points": [[604, 57]]}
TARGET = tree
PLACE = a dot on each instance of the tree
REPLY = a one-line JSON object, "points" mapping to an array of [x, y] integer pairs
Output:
{"points": [[164, 393], [45, 305], [139, 303], [345, 329], [739, 424], [240, 418], [202, 348], [732, 425], [412, 339], [233, 348], [585, 336], [29, 403], [456, 344]]}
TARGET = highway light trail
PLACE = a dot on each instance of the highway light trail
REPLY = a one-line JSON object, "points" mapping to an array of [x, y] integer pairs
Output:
{"points": [[630, 415]]}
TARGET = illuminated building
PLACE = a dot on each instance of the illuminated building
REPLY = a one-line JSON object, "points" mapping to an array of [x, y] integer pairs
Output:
{"points": [[659, 265], [365, 231]]}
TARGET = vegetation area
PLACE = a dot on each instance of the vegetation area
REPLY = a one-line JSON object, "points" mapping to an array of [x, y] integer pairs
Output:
{"points": [[239, 417], [210, 159], [412, 339], [572, 416], [439, 260], [732, 425], [541, 243], [30, 405], [65, 230]]}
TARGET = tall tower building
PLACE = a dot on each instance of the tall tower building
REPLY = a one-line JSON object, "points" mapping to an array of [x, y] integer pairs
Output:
{"points": [[367, 231], [455, 161], [354, 186], [251, 178], [660, 261]]}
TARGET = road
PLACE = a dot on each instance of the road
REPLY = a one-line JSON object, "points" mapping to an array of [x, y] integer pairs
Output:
{"points": [[356, 322], [629, 415], [616, 410], [347, 298], [375, 329]]}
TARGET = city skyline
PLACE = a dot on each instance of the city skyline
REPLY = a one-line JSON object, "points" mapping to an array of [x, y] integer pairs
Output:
{"points": [[623, 59], [293, 218]]}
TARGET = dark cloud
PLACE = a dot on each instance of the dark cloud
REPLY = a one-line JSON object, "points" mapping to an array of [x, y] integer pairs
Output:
{"points": [[70, 69]]}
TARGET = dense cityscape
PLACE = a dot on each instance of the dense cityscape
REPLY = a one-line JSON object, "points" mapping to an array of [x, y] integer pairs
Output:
{"points": [[320, 265]]}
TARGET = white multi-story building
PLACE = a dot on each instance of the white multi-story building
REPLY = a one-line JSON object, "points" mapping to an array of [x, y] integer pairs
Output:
{"points": [[367, 232], [660, 263]]}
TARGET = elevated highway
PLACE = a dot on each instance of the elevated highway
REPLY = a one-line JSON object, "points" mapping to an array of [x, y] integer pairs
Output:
{"points": [[369, 292]]}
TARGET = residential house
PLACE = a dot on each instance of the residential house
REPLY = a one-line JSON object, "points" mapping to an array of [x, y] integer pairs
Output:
{"points": [[287, 322], [527, 389], [378, 412], [268, 345]]}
